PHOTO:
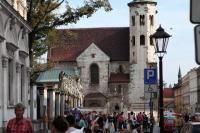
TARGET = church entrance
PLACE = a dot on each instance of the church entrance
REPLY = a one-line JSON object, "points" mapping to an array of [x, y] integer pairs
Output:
{"points": [[95, 100]]}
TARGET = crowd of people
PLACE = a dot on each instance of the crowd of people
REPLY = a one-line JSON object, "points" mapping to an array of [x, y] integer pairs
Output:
{"points": [[93, 122], [78, 122]]}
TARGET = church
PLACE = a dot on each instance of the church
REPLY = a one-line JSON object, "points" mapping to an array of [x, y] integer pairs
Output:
{"points": [[110, 61]]}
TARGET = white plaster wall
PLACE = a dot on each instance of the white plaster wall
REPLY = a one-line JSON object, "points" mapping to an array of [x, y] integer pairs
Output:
{"points": [[143, 54], [85, 60], [11, 36], [114, 67]]}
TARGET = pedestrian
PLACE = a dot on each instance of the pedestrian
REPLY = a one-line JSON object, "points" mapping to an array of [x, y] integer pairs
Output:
{"points": [[115, 121], [178, 122], [19, 124], [71, 120], [59, 125], [186, 124], [82, 123]]}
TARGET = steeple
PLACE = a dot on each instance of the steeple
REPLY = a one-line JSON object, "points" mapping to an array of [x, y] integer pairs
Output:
{"points": [[179, 75]]}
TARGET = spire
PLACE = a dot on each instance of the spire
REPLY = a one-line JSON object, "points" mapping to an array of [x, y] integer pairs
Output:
{"points": [[179, 75]]}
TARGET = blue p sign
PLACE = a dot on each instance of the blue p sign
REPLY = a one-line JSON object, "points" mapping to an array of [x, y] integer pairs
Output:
{"points": [[150, 76]]}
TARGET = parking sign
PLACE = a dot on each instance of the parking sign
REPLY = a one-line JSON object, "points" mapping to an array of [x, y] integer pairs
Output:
{"points": [[194, 11], [197, 43], [150, 76]]}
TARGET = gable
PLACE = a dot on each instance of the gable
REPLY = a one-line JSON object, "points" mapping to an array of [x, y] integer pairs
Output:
{"points": [[113, 41], [93, 53]]}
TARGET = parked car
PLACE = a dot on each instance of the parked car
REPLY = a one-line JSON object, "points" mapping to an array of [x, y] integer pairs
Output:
{"points": [[169, 124], [192, 127]]}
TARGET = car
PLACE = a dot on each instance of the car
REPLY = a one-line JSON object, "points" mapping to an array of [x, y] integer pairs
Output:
{"points": [[191, 127], [169, 124]]}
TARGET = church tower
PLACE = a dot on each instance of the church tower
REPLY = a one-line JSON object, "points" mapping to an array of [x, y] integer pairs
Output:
{"points": [[141, 26], [179, 75]]}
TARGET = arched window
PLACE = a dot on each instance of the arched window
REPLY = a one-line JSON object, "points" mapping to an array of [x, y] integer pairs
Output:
{"points": [[151, 20], [142, 20], [133, 40], [142, 40], [133, 20], [94, 74], [151, 41]]}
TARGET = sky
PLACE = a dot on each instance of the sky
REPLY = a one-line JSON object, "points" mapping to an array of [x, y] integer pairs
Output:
{"points": [[173, 15]]}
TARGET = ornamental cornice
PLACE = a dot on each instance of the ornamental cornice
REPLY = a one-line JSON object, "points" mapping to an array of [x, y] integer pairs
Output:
{"points": [[23, 54], [1, 39], [11, 46], [4, 4], [4, 61], [18, 67]]}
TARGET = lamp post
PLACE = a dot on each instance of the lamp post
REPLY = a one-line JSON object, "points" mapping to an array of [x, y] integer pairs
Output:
{"points": [[160, 38]]}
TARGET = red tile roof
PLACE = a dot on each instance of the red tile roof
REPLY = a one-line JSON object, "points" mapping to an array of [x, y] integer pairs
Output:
{"points": [[168, 93], [113, 41], [119, 78]]}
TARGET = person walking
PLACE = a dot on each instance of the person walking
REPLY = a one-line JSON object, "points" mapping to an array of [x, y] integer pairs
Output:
{"points": [[19, 124], [178, 122], [59, 125]]}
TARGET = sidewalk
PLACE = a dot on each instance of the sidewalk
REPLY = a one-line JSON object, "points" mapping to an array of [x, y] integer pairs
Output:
{"points": [[156, 128]]}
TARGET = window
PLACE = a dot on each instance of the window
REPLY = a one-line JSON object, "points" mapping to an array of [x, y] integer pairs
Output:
{"points": [[133, 54], [133, 40], [119, 89], [10, 81], [142, 40], [151, 41], [142, 20], [133, 20], [121, 69], [151, 20], [94, 74], [22, 82]]}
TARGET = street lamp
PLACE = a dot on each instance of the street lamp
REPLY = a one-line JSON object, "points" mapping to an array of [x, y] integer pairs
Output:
{"points": [[160, 38]]}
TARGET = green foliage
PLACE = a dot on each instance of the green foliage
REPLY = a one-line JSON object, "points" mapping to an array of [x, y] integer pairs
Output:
{"points": [[44, 17]]}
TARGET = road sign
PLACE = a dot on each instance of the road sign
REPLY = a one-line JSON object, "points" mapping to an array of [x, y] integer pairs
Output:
{"points": [[150, 88], [194, 11], [150, 76], [197, 43]]}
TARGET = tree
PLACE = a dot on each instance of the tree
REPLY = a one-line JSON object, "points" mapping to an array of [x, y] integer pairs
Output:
{"points": [[43, 16]]}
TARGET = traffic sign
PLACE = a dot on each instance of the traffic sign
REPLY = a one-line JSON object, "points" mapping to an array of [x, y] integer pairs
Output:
{"points": [[194, 11], [150, 76], [150, 88], [197, 43]]}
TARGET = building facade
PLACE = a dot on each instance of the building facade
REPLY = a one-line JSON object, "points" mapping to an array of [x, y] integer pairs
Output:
{"points": [[187, 93], [14, 58], [111, 60]]}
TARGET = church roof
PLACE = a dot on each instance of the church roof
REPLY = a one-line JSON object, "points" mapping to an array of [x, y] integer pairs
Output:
{"points": [[119, 78], [114, 41], [168, 93]]}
